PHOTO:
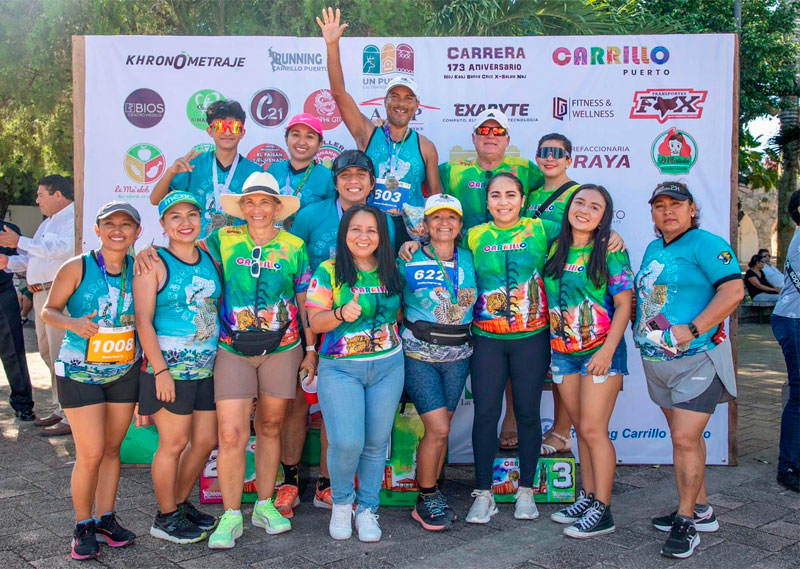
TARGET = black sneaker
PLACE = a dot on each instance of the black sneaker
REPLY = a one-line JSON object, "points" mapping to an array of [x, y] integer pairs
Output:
{"points": [[430, 514], [573, 512], [177, 528], [200, 519], [682, 540], [705, 522], [84, 542], [597, 520], [448, 511], [789, 479], [25, 415], [111, 533]]}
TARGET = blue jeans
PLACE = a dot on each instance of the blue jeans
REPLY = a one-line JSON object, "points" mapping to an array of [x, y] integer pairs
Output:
{"points": [[359, 400], [787, 332]]}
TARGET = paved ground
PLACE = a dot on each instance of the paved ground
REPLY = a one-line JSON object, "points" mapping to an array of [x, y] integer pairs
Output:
{"points": [[760, 523]]}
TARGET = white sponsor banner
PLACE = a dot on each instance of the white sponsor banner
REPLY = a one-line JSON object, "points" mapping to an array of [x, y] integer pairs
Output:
{"points": [[638, 109]]}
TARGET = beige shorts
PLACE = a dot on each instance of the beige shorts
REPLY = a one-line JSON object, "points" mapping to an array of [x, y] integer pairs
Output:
{"points": [[242, 377]]}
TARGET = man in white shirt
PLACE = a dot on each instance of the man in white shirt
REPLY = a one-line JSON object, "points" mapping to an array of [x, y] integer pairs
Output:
{"points": [[41, 256]]}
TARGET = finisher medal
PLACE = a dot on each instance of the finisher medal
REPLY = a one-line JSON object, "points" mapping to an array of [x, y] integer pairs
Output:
{"points": [[392, 183]]}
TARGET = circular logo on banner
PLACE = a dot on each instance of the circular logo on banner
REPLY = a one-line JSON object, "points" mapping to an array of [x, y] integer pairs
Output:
{"points": [[674, 152], [266, 154], [320, 103], [328, 153], [198, 104], [269, 107], [144, 108], [144, 163]]}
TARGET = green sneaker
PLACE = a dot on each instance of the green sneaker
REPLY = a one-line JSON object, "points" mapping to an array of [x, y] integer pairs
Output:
{"points": [[228, 530], [268, 517]]}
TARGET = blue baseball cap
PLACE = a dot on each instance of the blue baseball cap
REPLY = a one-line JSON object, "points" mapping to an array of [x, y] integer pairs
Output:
{"points": [[174, 198]]}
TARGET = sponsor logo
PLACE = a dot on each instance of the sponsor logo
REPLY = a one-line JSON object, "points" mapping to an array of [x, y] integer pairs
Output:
{"points": [[296, 60], [601, 156], [328, 152], [183, 60], [269, 107], [505, 247], [144, 163], [320, 103], [574, 268], [379, 102], [666, 104], [484, 59], [198, 104], [265, 154], [568, 109], [628, 433], [264, 264], [144, 108], [674, 152], [516, 112], [725, 257], [379, 66], [625, 57]]}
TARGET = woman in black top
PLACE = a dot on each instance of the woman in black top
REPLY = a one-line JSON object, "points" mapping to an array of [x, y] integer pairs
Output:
{"points": [[758, 286]]}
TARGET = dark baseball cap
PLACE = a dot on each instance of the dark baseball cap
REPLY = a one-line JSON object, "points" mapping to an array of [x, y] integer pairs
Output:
{"points": [[119, 206], [673, 190]]}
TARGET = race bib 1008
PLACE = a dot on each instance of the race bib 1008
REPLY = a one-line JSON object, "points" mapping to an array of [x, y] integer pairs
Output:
{"points": [[112, 346]]}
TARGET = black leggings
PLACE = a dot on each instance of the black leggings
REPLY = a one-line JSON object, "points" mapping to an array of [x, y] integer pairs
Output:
{"points": [[526, 361]]}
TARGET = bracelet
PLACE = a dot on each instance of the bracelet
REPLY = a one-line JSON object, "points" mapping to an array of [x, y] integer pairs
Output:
{"points": [[311, 349], [693, 329], [340, 318], [160, 372]]}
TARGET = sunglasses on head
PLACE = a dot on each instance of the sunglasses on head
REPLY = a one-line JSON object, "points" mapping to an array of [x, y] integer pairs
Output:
{"points": [[553, 151], [487, 130], [234, 126]]}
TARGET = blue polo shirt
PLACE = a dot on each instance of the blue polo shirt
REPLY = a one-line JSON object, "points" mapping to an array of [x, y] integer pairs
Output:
{"points": [[318, 226], [200, 183], [678, 279]]}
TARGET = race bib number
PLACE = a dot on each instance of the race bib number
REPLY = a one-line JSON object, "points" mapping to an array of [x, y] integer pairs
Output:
{"points": [[390, 200], [112, 346], [425, 274]]}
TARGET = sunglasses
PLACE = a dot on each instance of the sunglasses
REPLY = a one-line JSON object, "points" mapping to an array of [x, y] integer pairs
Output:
{"points": [[487, 130], [553, 151], [234, 126], [255, 266]]}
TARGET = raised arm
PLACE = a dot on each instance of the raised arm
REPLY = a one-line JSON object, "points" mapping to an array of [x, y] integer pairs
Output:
{"points": [[181, 165], [358, 124]]}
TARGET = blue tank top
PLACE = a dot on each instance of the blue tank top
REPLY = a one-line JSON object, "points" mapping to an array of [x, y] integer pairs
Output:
{"points": [[409, 169], [185, 317], [111, 352]]}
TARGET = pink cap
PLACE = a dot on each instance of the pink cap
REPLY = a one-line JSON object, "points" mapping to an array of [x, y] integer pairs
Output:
{"points": [[310, 121]]}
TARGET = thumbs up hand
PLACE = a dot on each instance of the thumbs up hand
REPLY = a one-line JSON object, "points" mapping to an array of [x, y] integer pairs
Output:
{"points": [[352, 310], [84, 327]]}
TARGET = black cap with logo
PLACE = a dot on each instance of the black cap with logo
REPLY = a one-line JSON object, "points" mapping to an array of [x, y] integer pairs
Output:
{"points": [[672, 189]]}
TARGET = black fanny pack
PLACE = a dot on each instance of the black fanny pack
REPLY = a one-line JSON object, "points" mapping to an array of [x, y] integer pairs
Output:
{"points": [[440, 334], [257, 342]]}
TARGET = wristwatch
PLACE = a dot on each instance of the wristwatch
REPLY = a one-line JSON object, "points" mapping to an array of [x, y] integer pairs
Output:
{"points": [[693, 330]]}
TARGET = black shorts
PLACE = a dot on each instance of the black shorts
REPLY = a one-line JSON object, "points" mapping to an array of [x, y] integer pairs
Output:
{"points": [[124, 389], [707, 401], [190, 396]]}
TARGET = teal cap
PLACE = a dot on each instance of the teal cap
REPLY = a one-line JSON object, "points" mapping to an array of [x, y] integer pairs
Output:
{"points": [[173, 198]]}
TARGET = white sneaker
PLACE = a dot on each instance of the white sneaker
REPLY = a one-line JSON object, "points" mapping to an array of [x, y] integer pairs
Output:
{"points": [[341, 526], [367, 526], [525, 507], [483, 508]]}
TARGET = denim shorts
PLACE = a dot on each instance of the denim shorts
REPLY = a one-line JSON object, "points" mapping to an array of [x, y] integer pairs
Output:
{"points": [[569, 364], [433, 385]]}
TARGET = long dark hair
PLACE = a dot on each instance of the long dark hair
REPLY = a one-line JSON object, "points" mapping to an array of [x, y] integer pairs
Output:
{"points": [[346, 270], [597, 267]]}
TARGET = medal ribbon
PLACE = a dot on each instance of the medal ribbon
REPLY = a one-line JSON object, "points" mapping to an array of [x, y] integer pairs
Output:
{"points": [[224, 189], [395, 151], [302, 182], [452, 287], [101, 262]]}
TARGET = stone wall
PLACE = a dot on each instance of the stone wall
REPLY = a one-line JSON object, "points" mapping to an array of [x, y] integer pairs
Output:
{"points": [[759, 208]]}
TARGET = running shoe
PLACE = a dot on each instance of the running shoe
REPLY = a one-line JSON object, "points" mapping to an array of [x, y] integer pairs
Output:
{"points": [[525, 505], [483, 508], [705, 522], [367, 525], [448, 511], [228, 531], [341, 524], [789, 479], [286, 499], [573, 512], [202, 520], [430, 514], [682, 540], [111, 533], [177, 528], [84, 542], [322, 498], [267, 516], [597, 520]]}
